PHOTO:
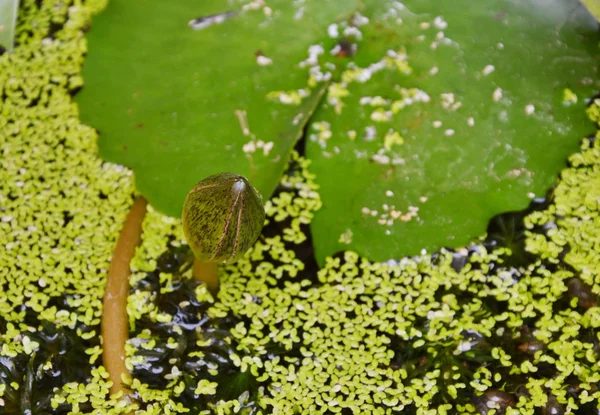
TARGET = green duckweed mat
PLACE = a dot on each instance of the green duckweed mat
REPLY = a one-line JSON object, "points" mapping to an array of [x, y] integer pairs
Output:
{"points": [[482, 329]]}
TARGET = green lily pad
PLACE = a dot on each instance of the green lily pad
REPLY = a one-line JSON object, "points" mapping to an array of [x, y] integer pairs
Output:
{"points": [[183, 90], [450, 113], [8, 21]]}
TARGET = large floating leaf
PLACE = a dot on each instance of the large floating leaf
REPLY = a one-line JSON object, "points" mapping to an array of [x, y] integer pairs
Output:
{"points": [[8, 20], [451, 113], [180, 90], [438, 115]]}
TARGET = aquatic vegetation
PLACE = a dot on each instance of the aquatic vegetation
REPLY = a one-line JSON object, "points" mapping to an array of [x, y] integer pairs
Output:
{"points": [[455, 331], [420, 126], [486, 328], [61, 209]]}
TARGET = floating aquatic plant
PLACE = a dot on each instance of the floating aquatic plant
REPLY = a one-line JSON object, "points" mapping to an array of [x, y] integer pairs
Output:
{"points": [[420, 127]]}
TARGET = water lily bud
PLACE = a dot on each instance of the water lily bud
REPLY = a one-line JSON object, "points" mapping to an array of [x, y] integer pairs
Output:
{"points": [[223, 216]]}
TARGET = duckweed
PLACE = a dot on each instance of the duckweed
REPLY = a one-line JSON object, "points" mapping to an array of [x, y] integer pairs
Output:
{"points": [[507, 325], [457, 331], [61, 209]]}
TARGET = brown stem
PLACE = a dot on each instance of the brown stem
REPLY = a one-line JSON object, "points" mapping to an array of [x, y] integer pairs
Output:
{"points": [[207, 273], [115, 324]]}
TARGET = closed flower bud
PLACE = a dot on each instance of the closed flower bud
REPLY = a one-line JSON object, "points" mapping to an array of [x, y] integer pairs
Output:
{"points": [[223, 216]]}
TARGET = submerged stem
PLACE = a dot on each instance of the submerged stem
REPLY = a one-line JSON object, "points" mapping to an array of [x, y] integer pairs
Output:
{"points": [[207, 273], [115, 327]]}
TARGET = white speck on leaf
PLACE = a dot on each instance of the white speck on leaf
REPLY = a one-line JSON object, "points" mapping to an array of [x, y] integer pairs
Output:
{"points": [[449, 102], [488, 70], [267, 148], [440, 23], [332, 30], [323, 133], [381, 159], [352, 31], [529, 109], [254, 5], [263, 60], [497, 95], [359, 20], [285, 99], [249, 148], [313, 56], [346, 237], [379, 115], [370, 133]]}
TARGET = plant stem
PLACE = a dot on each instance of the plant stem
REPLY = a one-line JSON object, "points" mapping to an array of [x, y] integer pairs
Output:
{"points": [[207, 273], [115, 324]]}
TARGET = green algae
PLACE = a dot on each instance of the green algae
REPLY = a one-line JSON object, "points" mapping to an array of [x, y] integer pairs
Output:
{"points": [[459, 331]]}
